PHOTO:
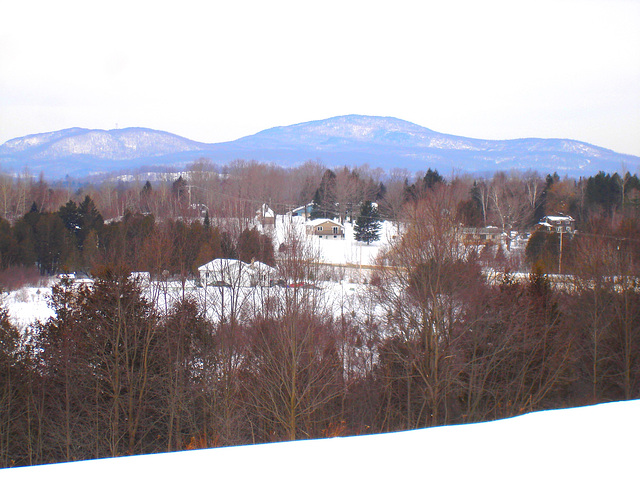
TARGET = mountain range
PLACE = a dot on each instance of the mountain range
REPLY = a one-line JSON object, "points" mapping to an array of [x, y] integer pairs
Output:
{"points": [[384, 142]]}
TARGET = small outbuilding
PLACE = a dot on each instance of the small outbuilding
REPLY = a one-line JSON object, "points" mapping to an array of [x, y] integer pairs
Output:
{"points": [[482, 235]]}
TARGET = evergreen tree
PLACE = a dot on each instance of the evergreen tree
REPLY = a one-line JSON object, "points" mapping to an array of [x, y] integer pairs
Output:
{"points": [[470, 210], [324, 200], [13, 375], [50, 243], [69, 215], [102, 345], [253, 245], [367, 228], [541, 205], [146, 189], [604, 190], [409, 193], [432, 178], [179, 188], [89, 220], [382, 191], [145, 196]]}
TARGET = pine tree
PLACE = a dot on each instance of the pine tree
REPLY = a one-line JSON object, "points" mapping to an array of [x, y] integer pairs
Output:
{"points": [[367, 227], [179, 188], [324, 200], [145, 197], [146, 189], [432, 178]]}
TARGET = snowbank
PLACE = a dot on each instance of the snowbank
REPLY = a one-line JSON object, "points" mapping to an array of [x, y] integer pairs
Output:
{"points": [[589, 442]]}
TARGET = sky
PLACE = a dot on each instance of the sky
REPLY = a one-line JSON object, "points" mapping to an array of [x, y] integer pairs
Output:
{"points": [[215, 71]]}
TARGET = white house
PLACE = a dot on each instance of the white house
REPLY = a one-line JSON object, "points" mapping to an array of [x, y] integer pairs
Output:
{"points": [[558, 223], [236, 273], [265, 215]]}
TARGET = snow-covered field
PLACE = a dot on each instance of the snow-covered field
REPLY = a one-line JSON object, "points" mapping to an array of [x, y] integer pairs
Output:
{"points": [[339, 251], [28, 305], [596, 442]]}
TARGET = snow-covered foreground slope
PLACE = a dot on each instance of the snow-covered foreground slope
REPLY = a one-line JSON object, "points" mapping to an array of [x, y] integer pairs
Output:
{"points": [[591, 442]]}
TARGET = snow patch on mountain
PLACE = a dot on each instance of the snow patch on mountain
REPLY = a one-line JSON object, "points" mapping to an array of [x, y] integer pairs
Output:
{"points": [[30, 141], [115, 145], [384, 142]]}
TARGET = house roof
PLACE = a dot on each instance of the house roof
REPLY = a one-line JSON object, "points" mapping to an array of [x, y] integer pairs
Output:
{"points": [[298, 209], [265, 211], [232, 263], [320, 221], [481, 230], [259, 266], [558, 218], [219, 263]]}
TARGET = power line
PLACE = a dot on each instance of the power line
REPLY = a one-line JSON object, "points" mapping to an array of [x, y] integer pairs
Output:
{"points": [[600, 235]]}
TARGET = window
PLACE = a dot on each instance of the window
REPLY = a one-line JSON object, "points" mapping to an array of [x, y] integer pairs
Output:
{"points": [[320, 228], [335, 230]]}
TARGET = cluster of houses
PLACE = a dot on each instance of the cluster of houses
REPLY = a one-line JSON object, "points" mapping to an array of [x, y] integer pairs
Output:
{"points": [[226, 272], [324, 228], [563, 224], [330, 229]]}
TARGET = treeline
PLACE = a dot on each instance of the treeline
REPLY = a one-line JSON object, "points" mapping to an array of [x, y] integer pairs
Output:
{"points": [[76, 239], [430, 340], [58, 228], [513, 200]]}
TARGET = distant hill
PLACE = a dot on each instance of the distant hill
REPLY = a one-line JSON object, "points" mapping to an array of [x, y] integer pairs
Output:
{"points": [[79, 151], [384, 142]]}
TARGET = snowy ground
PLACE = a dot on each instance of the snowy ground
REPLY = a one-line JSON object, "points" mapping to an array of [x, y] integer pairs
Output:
{"points": [[596, 442], [338, 251], [28, 305]]}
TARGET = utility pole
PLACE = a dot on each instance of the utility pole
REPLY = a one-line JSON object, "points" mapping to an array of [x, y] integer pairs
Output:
{"points": [[560, 256]]}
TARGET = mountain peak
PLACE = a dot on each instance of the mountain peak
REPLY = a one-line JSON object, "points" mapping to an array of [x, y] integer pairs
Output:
{"points": [[385, 142]]}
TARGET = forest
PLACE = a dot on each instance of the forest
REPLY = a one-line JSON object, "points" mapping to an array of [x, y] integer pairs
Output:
{"points": [[442, 332]]}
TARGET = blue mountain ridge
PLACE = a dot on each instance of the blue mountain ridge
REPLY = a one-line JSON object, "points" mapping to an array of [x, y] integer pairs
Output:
{"points": [[384, 142]]}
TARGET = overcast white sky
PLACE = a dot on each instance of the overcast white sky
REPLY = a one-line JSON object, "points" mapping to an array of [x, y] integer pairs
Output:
{"points": [[218, 70]]}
